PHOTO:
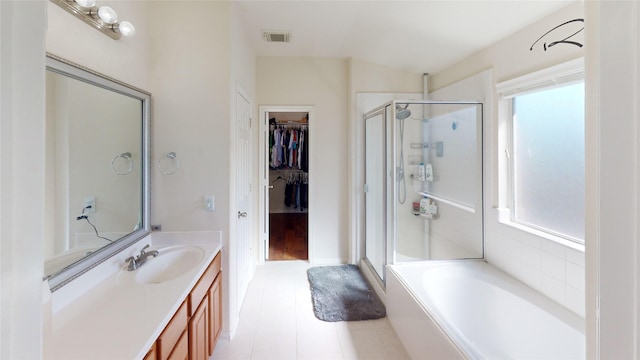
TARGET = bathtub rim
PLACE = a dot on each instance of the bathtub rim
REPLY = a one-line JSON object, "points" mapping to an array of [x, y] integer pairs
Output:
{"points": [[454, 336], [457, 337]]}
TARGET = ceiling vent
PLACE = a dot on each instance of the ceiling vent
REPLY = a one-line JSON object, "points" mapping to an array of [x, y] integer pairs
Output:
{"points": [[276, 36]]}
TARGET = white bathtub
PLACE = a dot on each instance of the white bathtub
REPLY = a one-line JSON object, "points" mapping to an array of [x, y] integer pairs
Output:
{"points": [[469, 309]]}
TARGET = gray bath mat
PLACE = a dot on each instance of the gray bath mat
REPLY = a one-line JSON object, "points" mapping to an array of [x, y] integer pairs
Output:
{"points": [[341, 293]]}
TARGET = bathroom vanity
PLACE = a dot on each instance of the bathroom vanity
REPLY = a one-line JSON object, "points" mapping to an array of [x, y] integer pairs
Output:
{"points": [[112, 288], [169, 308]]}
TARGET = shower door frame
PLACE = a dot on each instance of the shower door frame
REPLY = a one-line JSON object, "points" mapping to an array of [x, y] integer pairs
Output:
{"points": [[381, 110]]}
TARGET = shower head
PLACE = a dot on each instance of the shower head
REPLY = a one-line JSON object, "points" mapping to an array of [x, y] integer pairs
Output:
{"points": [[402, 112]]}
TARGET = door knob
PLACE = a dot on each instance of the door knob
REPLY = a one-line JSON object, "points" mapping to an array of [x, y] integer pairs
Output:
{"points": [[242, 214]]}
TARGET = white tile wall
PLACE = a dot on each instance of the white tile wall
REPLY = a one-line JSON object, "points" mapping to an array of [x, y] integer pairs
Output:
{"points": [[549, 267]]}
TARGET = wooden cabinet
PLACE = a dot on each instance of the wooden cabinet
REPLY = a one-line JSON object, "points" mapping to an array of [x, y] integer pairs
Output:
{"points": [[194, 329]]}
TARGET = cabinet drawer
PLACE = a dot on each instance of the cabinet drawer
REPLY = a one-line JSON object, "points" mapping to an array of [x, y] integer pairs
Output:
{"points": [[172, 333], [203, 285]]}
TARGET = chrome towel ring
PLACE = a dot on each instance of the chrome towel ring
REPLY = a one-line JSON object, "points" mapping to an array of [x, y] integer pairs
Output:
{"points": [[127, 157], [172, 157]]}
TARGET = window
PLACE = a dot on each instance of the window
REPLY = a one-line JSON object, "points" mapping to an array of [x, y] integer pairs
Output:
{"points": [[545, 148]]}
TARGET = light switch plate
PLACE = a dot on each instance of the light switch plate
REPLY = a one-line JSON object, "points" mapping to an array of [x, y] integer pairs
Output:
{"points": [[208, 202]]}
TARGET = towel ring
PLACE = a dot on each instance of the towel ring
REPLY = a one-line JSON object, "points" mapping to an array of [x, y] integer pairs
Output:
{"points": [[126, 156], [170, 156]]}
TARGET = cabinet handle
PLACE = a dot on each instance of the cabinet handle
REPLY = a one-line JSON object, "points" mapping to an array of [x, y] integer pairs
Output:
{"points": [[242, 214]]}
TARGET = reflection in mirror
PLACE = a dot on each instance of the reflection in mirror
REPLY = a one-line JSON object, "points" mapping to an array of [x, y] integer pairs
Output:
{"points": [[97, 196]]}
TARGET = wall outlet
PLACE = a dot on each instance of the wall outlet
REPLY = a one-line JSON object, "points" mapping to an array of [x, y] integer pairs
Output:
{"points": [[89, 201], [208, 202]]}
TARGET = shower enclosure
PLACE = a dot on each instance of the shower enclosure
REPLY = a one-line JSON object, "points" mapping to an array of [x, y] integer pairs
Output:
{"points": [[423, 182]]}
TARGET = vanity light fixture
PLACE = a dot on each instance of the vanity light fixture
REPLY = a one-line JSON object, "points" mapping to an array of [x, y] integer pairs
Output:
{"points": [[103, 18]]}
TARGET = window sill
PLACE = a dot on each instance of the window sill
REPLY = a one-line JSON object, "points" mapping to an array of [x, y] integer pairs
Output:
{"points": [[504, 217]]}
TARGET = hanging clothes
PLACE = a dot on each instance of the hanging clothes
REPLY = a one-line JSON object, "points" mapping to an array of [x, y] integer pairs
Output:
{"points": [[296, 190], [288, 147]]}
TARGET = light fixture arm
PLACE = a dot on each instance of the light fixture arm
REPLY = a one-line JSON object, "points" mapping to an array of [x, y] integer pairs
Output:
{"points": [[90, 16]]}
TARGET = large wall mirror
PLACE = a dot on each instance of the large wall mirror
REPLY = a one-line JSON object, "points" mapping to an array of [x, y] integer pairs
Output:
{"points": [[97, 169]]}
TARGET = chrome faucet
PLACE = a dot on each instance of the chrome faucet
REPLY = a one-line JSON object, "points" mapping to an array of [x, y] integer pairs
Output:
{"points": [[136, 262]]}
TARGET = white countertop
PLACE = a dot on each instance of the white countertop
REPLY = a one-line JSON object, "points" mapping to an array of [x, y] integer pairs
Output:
{"points": [[113, 319]]}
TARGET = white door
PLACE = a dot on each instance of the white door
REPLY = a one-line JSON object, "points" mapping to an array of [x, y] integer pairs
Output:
{"points": [[243, 186]]}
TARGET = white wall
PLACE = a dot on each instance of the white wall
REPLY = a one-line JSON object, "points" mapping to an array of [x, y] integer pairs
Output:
{"points": [[320, 82], [555, 270], [22, 132]]}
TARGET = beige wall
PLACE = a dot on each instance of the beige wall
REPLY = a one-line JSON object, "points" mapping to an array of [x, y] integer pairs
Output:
{"points": [[320, 82], [194, 85], [612, 164], [22, 185], [190, 87], [126, 59]]}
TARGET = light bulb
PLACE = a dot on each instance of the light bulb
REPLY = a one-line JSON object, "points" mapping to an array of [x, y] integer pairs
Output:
{"points": [[108, 15], [86, 3], [127, 29]]}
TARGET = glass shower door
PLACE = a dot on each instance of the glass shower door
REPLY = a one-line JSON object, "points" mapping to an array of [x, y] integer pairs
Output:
{"points": [[438, 204], [375, 194]]}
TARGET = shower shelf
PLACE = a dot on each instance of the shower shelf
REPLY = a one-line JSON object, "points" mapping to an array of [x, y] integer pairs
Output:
{"points": [[465, 207], [422, 145]]}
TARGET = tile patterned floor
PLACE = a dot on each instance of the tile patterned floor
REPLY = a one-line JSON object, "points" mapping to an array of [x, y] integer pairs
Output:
{"points": [[277, 322]]}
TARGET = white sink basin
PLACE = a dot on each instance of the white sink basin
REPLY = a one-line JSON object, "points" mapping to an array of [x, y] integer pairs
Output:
{"points": [[169, 264]]}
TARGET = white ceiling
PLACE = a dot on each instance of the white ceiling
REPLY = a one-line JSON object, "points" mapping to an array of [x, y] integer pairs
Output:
{"points": [[419, 36]]}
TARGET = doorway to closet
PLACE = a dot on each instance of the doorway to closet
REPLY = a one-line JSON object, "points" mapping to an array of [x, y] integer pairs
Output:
{"points": [[285, 167]]}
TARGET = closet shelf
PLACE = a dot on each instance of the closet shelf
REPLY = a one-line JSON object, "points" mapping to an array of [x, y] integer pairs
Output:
{"points": [[288, 170]]}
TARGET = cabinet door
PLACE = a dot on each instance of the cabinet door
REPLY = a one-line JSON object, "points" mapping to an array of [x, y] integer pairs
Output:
{"points": [[181, 351], [199, 332], [215, 312], [152, 354], [170, 337]]}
